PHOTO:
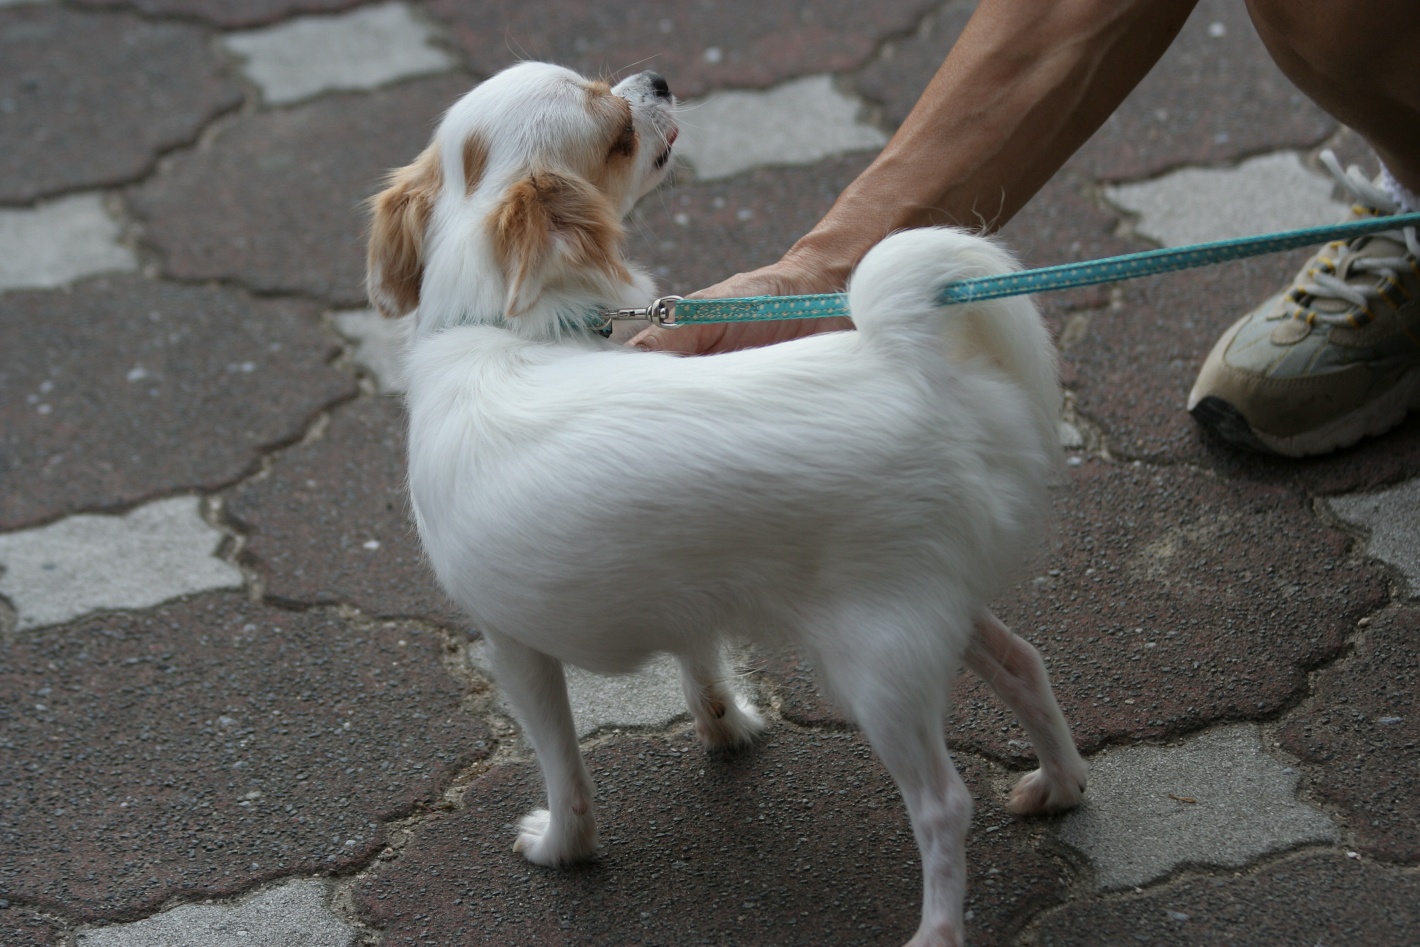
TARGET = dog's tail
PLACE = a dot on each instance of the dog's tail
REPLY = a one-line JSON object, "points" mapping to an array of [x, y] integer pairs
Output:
{"points": [[892, 296]]}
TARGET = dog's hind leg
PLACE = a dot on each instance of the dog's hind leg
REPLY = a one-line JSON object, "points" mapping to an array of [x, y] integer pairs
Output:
{"points": [[566, 831], [1016, 673], [900, 705], [723, 717]]}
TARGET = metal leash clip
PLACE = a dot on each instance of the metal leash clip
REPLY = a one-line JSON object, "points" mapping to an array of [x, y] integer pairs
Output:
{"points": [[658, 313]]}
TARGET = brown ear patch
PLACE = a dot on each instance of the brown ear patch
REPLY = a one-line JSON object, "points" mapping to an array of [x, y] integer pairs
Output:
{"points": [[399, 221], [548, 221], [475, 160]]}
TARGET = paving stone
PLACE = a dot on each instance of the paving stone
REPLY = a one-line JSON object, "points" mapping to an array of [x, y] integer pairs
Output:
{"points": [[693, 235], [895, 78], [96, 563], [800, 122], [1135, 362], [59, 242], [67, 123], [363, 49], [1216, 800], [1169, 599], [293, 914], [23, 928], [651, 697], [1215, 96], [1359, 738], [125, 388], [698, 47], [1066, 223], [1314, 898], [1138, 358], [203, 748], [1270, 192], [331, 522], [801, 840], [225, 13], [1392, 519], [275, 202], [380, 345]]}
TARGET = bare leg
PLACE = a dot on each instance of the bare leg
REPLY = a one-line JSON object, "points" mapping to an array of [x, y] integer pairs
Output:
{"points": [[723, 718], [566, 831], [1016, 673], [1360, 62]]}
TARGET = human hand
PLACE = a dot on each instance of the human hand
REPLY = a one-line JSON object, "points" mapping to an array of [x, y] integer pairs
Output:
{"points": [[779, 279]]}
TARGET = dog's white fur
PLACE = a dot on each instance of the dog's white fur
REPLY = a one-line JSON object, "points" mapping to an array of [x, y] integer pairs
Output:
{"points": [[861, 495]]}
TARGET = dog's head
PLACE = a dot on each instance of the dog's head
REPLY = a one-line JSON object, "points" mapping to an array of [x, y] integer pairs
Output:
{"points": [[523, 188]]}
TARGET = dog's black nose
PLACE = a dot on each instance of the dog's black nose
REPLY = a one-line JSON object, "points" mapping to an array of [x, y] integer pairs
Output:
{"points": [[659, 85]]}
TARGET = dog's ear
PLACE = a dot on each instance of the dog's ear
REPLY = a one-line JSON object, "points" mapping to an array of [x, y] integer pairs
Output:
{"points": [[399, 221], [549, 224]]}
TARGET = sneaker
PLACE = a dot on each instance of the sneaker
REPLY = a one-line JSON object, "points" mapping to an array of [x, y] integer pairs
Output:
{"points": [[1334, 358]]}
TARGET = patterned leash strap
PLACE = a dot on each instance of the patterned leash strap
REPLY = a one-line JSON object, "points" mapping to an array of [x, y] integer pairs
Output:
{"points": [[671, 311]]}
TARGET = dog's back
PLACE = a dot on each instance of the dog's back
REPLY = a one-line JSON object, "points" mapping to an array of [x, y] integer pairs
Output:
{"points": [[601, 504]]}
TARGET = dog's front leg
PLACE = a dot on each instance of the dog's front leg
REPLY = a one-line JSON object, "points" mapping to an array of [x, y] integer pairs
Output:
{"points": [[724, 719], [566, 831]]}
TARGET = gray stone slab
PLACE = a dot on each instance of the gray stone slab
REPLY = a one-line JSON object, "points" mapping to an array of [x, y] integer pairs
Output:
{"points": [[799, 122], [276, 202], [330, 522], [225, 13], [1270, 192], [1392, 519], [205, 748], [363, 49], [1358, 738], [1215, 95], [94, 99], [60, 241], [1218, 799], [292, 915], [649, 698], [1320, 899], [125, 389], [699, 47], [92, 563]]}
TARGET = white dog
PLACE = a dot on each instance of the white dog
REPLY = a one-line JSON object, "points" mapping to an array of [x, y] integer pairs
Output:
{"points": [[861, 495]]}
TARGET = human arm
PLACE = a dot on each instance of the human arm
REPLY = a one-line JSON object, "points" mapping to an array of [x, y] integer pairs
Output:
{"points": [[1026, 83]]}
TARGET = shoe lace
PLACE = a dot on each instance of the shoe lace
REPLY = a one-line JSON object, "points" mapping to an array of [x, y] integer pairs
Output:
{"points": [[1348, 276]]}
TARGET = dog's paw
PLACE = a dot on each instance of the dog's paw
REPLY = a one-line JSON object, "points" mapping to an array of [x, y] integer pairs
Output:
{"points": [[543, 842], [728, 724], [1038, 792]]}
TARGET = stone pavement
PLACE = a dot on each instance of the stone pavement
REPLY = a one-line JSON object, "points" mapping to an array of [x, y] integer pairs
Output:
{"points": [[234, 709]]}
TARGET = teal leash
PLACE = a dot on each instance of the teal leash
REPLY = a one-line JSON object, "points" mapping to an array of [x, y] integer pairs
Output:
{"points": [[672, 311]]}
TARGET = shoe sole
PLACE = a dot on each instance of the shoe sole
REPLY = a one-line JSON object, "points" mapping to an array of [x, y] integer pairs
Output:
{"points": [[1369, 420]]}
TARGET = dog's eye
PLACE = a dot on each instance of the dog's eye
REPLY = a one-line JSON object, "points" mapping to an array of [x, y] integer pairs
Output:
{"points": [[625, 143]]}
